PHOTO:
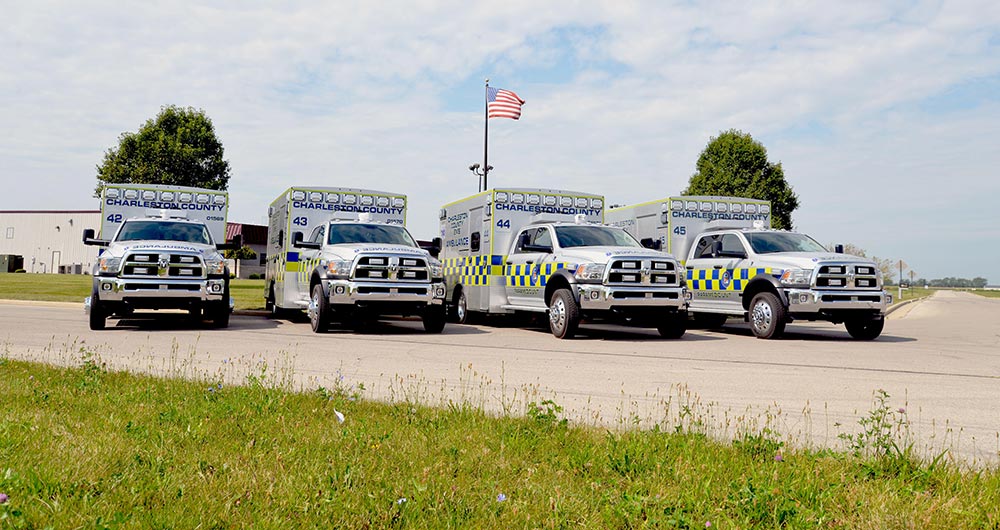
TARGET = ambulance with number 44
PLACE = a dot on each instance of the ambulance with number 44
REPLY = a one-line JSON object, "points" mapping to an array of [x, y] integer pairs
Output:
{"points": [[162, 252], [737, 266], [539, 250], [344, 254]]}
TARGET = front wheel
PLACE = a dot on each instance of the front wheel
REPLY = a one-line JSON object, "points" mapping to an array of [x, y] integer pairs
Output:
{"points": [[564, 314], [865, 328], [319, 309], [434, 318], [673, 325], [220, 311], [767, 316], [98, 314]]}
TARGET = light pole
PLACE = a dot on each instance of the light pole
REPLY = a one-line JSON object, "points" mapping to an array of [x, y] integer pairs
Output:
{"points": [[475, 168]]}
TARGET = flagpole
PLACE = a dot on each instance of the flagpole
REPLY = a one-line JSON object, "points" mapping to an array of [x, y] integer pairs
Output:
{"points": [[486, 133]]}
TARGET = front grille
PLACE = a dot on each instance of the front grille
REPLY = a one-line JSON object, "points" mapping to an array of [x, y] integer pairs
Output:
{"points": [[642, 272], [152, 265], [847, 276], [849, 298], [391, 269]]}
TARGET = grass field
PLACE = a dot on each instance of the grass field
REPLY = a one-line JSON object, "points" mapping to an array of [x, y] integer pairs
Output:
{"points": [[910, 293], [82, 447], [987, 293], [249, 294]]}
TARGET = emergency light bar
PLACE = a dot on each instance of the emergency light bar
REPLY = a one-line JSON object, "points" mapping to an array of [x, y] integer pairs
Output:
{"points": [[566, 201], [367, 200], [517, 198], [581, 202], [131, 194], [501, 196], [398, 202], [596, 203], [148, 195], [184, 197], [332, 198], [298, 195], [350, 199], [316, 197], [550, 200], [111, 193], [738, 208], [382, 201], [219, 200], [721, 207], [167, 196]]}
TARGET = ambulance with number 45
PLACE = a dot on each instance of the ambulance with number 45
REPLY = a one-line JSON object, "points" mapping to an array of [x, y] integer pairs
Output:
{"points": [[737, 266], [546, 251], [344, 254], [162, 252]]}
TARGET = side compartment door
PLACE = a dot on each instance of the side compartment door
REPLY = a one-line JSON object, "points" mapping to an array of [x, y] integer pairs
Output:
{"points": [[713, 276], [524, 281]]}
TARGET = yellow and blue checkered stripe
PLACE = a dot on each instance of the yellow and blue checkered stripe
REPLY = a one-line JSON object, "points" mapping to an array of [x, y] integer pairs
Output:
{"points": [[473, 270], [292, 262], [726, 279], [534, 275]]}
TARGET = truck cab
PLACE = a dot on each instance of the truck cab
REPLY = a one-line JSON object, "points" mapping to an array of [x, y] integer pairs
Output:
{"points": [[772, 277], [164, 262]]}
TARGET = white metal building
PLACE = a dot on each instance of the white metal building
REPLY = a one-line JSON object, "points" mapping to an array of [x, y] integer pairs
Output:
{"points": [[49, 240]]}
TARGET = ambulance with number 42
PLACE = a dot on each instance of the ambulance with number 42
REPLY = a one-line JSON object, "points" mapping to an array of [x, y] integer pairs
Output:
{"points": [[546, 251], [344, 254], [737, 266]]}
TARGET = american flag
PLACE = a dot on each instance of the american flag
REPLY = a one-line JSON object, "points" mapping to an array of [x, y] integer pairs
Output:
{"points": [[502, 103]]}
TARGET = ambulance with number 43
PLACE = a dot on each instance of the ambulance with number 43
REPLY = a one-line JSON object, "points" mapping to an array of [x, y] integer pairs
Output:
{"points": [[162, 252], [546, 251], [344, 254], [737, 266]]}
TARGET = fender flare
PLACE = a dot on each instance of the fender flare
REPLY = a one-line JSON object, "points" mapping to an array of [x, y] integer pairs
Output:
{"points": [[754, 286], [557, 278]]}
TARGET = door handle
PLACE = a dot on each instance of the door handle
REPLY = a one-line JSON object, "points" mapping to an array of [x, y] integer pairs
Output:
{"points": [[717, 266], [529, 262], [690, 267]]}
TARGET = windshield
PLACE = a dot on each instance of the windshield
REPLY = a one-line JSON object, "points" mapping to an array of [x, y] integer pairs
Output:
{"points": [[770, 242], [357, 233], [164, 231], [594, 236]]}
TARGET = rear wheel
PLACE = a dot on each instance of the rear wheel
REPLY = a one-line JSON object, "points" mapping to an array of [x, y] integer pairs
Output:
{"points": [[220, 310], [866, 328], [460, 308], [564, 314], [434, 318], [767, 316], [672, 325], [98, 314], [319, 309]]}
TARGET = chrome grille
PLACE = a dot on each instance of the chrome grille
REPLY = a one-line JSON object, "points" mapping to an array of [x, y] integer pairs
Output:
{"points": [[153, 265], [847, 276], [391, 269], [642, 272]]}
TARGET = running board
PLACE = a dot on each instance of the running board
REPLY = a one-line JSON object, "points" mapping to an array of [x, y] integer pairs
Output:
{"points": [[525, 308]]}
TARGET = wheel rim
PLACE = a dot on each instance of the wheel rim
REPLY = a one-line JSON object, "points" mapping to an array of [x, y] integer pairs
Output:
{"points": [[460, 311], [762, 316], [314, 309], [557, 314]]}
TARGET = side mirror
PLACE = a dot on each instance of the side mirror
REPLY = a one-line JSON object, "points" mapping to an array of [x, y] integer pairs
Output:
{"points": [[235, 243], [650, 243], [716, 249], [839, 249], [296, 238], [435, 249], [89, 238], [297, 242]]}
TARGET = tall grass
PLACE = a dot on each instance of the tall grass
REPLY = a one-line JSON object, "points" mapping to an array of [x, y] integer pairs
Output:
{"points": [[82, 446]]}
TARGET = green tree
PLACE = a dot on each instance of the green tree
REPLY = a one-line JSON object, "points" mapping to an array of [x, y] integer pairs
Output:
{"points": [[177, 147], [238, 255], [734, 164]]}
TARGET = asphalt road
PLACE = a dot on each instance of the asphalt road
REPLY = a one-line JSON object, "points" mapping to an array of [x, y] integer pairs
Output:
{"points": [[938, 359]]}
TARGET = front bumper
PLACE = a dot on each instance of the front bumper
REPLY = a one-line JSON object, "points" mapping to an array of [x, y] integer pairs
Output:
{"points": [[352, 292], [145, 292], [821, 301], [597, 297]]}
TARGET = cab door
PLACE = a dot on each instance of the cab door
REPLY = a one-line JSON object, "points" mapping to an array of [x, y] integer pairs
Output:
{"points": [[712, 273], [525, 285]]}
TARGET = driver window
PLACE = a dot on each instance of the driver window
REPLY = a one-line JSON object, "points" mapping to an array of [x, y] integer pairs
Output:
{"points": [[731, 244], [542, 238], [704, 248]]}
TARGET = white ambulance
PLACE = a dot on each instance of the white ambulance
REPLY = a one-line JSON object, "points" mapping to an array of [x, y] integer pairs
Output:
{"points": [[737, 266], [345, 254], [162, 252], [540, 250]]}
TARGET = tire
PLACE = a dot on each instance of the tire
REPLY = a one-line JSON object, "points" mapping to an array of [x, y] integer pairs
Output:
{"points": [[865, 328], [271, 305], [673, 325], [319, 309], [434, 318], [194, 314], [564, 314], [709, 320], [460, 309], [98, 314], [220, 310], [767, 316]]}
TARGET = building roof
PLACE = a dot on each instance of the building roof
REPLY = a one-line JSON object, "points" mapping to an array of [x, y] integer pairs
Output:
{"points": [[252, 234]]}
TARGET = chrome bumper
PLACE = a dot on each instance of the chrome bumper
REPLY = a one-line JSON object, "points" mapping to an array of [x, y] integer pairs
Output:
{"points": [[602, 297], [816, 301], [113, 289], [351, 292]]}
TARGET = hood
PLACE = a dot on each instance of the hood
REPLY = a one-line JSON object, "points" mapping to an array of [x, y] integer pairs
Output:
{"points": [[808, 260], [603, 254], [121, 248], [348, 251]]}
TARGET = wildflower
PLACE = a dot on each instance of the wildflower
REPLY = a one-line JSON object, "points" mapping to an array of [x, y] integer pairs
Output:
{"points": [[401, 501], [901, 410], [211, 389], [4, 498], [219, 386], [225, 361], [340, 419], [501, 497], [779, 458], [708, 524]]}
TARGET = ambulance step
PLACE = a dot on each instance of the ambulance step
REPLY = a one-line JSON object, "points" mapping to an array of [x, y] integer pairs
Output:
{"points": [[524, 308]]}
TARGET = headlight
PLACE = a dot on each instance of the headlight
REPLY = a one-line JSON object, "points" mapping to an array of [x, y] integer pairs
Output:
{"points": [[796, 277], [215, 265], [109, 265], [590, 272], [436, 267], [339, 269]]}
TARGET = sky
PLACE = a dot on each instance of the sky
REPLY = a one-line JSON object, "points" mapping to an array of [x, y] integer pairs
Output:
{"points": [[883, 115]]}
